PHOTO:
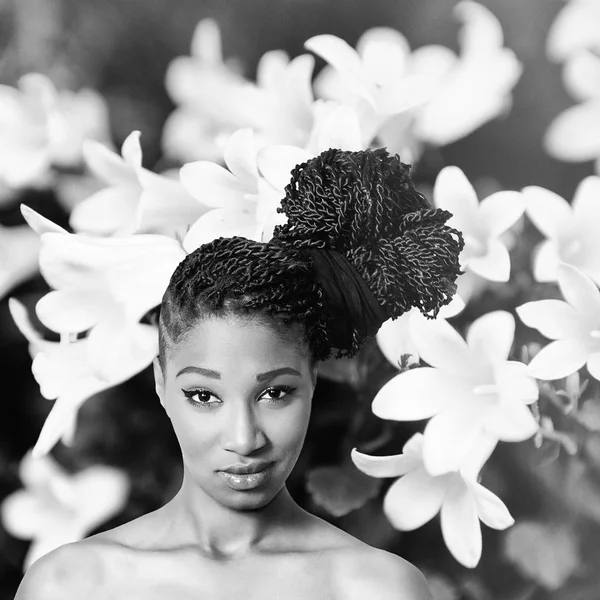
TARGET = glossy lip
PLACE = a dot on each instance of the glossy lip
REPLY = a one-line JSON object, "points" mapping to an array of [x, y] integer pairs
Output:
{"points": [[247, 469]]}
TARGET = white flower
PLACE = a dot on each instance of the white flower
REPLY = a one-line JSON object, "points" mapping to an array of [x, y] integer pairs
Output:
{"points": [[574, 28], [395, 338], [573, 134], [41, 126], [418, 496], [572, 231], [469, 389], [574, 325], [57, 508], [214, 100], [65, 370], [136, 200], [481, 223], [429, 95]]}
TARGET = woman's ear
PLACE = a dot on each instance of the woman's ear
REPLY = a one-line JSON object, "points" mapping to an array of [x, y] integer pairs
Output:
{"points": [[159, 381]]}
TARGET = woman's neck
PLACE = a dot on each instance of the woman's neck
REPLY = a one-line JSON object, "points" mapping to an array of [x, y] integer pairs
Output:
{"points": [[223, 532]]}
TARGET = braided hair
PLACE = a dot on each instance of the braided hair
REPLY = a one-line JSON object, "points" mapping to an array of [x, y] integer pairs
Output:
{"points": [[361, 204]]}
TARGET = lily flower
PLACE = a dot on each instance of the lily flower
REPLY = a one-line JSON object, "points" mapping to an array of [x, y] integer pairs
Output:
{"points": [[65, 373], [429, 95], [417, 496], [395, 339], [572, 135], [575, 28], [481, 223], [41, 126], [574, 326], [56, 508], [572, 230], [214, 100], [471, 388], [136, 200]]}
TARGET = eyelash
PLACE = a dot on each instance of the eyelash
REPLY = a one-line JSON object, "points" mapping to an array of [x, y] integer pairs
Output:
{"points": [[189, 395]]}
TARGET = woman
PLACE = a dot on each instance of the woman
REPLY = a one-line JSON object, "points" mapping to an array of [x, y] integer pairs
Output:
{"points": [[243, 327]]}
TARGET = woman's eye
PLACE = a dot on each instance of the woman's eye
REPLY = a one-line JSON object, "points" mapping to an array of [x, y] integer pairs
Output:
{"points": [[274, 394], [202, 397]]}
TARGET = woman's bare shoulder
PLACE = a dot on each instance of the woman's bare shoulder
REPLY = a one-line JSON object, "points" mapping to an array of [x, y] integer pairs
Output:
{"points": [[363, 571], [71, 571]]}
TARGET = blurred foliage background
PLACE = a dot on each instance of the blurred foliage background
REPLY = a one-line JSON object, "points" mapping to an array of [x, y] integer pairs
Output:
{"points": [[122, 50]]}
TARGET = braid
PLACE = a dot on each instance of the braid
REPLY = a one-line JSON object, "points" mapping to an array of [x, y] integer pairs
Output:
{"points": [[361, 204]]}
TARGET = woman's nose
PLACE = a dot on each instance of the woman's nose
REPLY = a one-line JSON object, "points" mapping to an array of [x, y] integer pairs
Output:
{"points": [[243, 432]]}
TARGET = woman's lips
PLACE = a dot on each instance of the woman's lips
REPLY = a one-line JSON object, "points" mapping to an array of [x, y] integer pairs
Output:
{"points": [[246, 477]]}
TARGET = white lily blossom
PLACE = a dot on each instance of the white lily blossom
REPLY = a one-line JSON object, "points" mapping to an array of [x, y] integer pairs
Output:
{"points": [[573, 135], [428, 96], [417, 496], [395, 339], [482, 223], [41, 126], [56, 508], [471, 388], [575, 28], [136, 199], [214, 100], [64, 371], [574, 325], [572, 230]]}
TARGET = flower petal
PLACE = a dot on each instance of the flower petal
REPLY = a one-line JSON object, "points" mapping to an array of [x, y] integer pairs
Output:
{"points": [[494, 265], [546, 261], [501, 210], [344, 59], [110, 210], [460, 524], [21, 514], [593, 365], [341, 129], [384, 466], [70, 311], [212, 185], [414, 499], [491, 336], [38, 223], [219, 222], [490, 509], [277, 162], [416, 394], [554, 319], [453, 192], [441, 346], [558, 359], [106, 164], [511, 422], [514, 383], [240, 155], [586, 207], [450, 435], [572, 135], [547, 210], [579, 291], [581, 75], [394, 339]]}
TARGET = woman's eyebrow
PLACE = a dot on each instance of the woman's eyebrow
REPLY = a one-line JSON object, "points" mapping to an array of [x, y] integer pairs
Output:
{"points": [[276, 372], [200, 371]]}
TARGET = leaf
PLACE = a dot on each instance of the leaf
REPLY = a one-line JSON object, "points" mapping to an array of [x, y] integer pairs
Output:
{"points": [[544, 552], [340, 490]]}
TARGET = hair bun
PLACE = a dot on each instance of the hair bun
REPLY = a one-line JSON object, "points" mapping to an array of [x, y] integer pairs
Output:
{"points": [[365, 206]]}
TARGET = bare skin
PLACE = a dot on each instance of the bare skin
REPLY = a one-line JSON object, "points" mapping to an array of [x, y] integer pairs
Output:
{"points": [[228, 534]]}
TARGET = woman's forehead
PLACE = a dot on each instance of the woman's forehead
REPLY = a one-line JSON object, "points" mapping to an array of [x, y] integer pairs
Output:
{"points": [[225, 341]]}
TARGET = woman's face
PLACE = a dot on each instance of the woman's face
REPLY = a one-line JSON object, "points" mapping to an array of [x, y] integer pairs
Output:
{"points": [[239, 397]]}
